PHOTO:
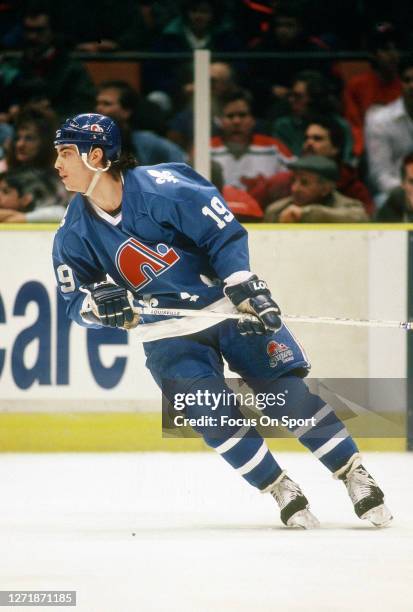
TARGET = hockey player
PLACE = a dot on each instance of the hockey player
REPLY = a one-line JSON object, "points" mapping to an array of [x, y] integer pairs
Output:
{"points": [[163, 235]]}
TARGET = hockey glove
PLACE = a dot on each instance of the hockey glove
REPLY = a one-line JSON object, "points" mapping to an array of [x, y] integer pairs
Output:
{"points": [[112, 305], [253, 297]]}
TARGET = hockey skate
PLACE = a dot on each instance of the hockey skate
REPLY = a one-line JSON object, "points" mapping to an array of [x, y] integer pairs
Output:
{"points": [[293, 503], [364, 492]]}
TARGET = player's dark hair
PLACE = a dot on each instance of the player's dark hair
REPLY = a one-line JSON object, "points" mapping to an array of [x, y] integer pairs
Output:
{"points": [[125, 162], [406, 162], [334, 129]]}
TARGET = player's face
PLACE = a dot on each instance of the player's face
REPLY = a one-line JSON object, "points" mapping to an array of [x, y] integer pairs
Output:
{"points": [[308, 188], [27, 144], [72, 171], [408, 185], [317, 141], [237, 121], [9, 197]]}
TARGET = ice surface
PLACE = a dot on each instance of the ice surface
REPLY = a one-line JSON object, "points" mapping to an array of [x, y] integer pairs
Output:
{"points": [[204, 539]]}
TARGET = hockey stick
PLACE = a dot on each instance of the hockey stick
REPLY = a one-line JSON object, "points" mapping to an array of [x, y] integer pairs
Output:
{"points": [[210, 314]]}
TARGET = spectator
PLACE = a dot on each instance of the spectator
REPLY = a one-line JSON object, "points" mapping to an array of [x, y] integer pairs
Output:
{"points": [[181, 128], [118, 100], [377, 86], [389, 136], [287, 34], [25, 197], [241, 152], [323, 136], [314, 198], [154, 16], [146, 114], [32, 149], [399, 204], [65, 82], [202, 25], [32, 145], [309, 95]]}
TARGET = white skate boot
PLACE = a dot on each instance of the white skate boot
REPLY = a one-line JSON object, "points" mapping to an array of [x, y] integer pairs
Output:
{"points": [[293, 503], [364, 492]]}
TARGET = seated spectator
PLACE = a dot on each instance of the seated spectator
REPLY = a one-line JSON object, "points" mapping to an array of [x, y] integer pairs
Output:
{"points": [[309, 96], [377, 86], [118, 100], [26, 197], [389, 136], [32, 144], [146, 115], [399, 205], [201, 25], [65, 81], [181, 127], [32, 149], [323, 136], [314, 198], [240, 151], [286, 34]]}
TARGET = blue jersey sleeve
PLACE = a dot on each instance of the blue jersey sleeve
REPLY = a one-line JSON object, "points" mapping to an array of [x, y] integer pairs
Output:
{"points": [[73, 268], [194, 207]]}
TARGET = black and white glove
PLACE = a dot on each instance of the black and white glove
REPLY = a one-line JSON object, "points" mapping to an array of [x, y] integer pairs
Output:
{"points": [[111, 304], [253, 297]]}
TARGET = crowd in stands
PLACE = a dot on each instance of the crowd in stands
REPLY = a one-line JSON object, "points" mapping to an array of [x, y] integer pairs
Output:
{"points": [[294, 137]]}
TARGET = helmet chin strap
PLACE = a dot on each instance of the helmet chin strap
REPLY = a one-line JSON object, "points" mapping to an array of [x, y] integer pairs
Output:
{"points": [[98, 173]]}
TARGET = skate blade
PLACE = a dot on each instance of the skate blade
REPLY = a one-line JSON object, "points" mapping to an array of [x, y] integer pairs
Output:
{"points": [[303, 519], [380, 516]]}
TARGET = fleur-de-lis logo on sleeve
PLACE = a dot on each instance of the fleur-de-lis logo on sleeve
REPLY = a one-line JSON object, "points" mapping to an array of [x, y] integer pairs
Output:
{"points": [[164, 176]]}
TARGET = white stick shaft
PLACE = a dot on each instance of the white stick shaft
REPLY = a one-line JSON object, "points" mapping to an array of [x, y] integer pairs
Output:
{"points": [[343, 321], [210, 314]]}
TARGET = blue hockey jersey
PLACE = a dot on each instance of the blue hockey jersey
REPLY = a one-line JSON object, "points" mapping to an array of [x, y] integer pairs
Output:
{"points": [[172, 240]]}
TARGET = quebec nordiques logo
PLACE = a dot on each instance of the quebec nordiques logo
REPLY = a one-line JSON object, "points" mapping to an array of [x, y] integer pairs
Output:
{"points": [[138, 263], [279, 353]]}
